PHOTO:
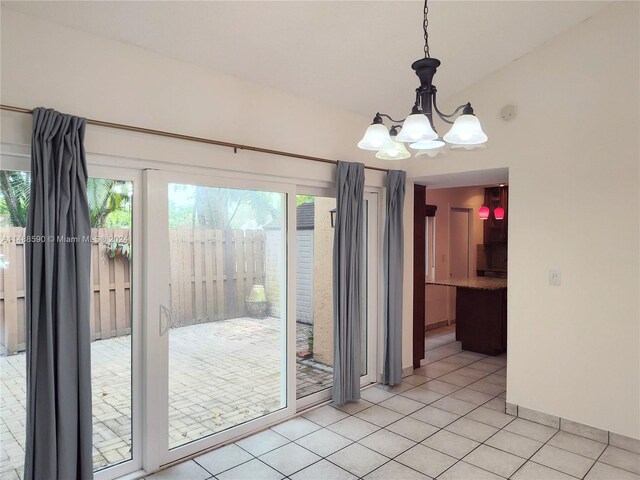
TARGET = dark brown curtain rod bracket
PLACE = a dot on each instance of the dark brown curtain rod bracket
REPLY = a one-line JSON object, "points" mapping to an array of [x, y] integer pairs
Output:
{"points": [[179, 136]]}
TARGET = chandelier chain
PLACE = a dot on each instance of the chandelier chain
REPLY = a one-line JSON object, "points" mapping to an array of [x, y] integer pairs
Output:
{"points": [[425, 26]]}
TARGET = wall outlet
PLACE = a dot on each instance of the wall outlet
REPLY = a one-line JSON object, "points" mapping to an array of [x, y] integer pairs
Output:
{"points": [[555, 278]]}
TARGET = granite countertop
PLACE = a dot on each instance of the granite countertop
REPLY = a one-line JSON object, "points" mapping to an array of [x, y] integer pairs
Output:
{"points": [[480, 283]]}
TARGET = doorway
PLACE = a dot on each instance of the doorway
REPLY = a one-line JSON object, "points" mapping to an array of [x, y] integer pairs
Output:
{"points": [[462, 310], [457, 252]]}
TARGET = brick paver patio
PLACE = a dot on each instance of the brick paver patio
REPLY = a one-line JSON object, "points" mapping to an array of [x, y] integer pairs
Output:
{"points": [[221, 374]]}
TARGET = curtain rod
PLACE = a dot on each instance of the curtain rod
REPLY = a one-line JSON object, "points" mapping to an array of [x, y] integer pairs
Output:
{"points": [[179, 136]]}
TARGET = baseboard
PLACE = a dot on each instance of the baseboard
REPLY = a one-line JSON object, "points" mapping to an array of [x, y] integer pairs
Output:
{"points": [[440, 324], [569, 426]]}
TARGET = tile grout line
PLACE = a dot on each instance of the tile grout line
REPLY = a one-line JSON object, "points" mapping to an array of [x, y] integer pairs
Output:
{"points": [[594, 463], [404, 416]]}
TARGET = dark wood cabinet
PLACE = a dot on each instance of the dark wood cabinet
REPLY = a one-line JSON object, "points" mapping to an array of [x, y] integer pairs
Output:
{"points": [[495, 231], [481, 320]]}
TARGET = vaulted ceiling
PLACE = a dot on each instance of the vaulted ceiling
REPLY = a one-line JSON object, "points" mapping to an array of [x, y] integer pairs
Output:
{"points": [[354, 55]]}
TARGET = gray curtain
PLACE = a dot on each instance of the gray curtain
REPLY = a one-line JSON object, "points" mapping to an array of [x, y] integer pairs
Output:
{"points": [[58, 429], [393, 257], [348, 251]]}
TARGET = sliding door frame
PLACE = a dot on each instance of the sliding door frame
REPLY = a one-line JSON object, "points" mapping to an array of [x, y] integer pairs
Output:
{"points": [[22, 162], [372, 288], [157, 293], [135, 177]]}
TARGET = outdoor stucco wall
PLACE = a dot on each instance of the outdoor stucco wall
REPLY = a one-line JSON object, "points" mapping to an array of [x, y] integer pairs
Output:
{"points": [[323, 281]]}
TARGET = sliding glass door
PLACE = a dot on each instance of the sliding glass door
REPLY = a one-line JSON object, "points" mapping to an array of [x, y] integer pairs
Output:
{"points": [[114, 318], [211, 311], [221, 278]]}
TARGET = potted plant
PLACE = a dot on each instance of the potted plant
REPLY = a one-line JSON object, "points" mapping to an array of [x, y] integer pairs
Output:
{"points": [[115, 249], [257, 303]]}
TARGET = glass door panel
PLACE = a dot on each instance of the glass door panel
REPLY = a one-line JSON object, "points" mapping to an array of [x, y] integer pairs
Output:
{"points": [[111, 319], [227, 309], [111, 214], [314, 295]]}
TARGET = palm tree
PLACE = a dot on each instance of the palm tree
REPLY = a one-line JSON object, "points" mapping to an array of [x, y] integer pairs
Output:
{"points": [[15, 188], [105, 197]]}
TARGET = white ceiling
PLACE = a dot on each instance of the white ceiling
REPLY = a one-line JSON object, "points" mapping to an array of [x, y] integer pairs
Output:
{"points": [[352, 54]]}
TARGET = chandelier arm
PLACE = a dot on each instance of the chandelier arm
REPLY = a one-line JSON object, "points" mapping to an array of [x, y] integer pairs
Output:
{"points": [[393, 120], [445, 117]]}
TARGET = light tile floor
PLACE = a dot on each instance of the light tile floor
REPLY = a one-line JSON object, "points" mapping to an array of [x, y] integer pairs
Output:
{"points": [[426, 427], [232, 367]]}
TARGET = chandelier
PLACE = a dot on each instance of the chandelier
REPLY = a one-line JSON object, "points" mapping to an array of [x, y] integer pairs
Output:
{"points": [[418, 129]]}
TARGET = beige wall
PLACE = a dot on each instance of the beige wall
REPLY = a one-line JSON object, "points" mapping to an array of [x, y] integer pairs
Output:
{"points": [[323, 281], [573, 158], [440, 301]]}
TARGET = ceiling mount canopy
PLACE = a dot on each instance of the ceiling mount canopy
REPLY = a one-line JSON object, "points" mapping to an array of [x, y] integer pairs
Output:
{"points": [[418, 128]]}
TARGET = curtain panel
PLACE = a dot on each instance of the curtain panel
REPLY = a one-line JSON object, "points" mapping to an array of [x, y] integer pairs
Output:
{"points": [[58, 428], [348, 252], [393, 257]]}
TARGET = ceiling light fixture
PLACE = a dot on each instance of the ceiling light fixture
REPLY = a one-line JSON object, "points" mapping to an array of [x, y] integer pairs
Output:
{"points": [[418, 128], [394, 150], [498, 212]]}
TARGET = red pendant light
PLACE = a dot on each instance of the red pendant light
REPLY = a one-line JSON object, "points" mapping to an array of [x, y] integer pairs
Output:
{"points": [[483, 212], [498, 213]]}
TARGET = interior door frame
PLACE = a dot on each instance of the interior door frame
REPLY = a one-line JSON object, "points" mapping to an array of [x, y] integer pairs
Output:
{"points": [[156, 234], [419, 272]]}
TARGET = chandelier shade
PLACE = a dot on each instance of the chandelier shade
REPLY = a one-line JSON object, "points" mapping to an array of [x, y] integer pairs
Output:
{"points": [[430, 153], [428, 145], [466, 130], [375, 138], [498, 212], [417, 128], [483, 212], [395, 151]]}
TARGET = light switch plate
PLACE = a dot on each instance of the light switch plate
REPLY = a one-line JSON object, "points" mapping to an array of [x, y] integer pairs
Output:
{"points": [[555, 278]]}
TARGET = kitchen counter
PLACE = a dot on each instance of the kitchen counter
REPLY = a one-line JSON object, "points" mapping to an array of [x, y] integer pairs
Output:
{"points": [[479, 283], [481, 313]]}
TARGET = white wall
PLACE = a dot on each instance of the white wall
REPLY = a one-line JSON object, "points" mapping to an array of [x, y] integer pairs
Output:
{"points": [[573, 159], [440, 301], [46, 64]]}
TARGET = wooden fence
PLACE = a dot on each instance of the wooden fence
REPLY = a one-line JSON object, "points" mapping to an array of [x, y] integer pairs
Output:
{"points": [[212, 272]]}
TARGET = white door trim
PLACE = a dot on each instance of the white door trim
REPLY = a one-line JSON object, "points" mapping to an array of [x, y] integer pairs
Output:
{"points": [[157, 244]]}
